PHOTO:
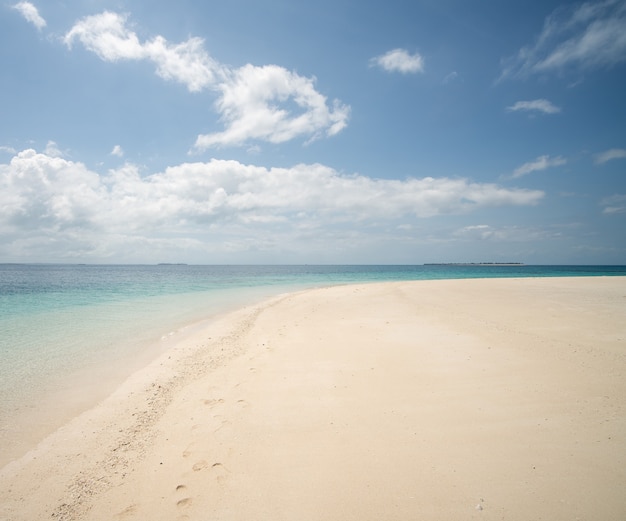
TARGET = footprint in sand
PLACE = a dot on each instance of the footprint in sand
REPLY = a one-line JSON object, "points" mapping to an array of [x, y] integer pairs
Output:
{"points": [[200, 465], [184, 503], [189, 449], [220, 472], [214, 402], [217, 469]]}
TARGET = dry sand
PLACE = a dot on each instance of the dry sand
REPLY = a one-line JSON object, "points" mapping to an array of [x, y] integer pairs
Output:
{"points": [[433, 400]]}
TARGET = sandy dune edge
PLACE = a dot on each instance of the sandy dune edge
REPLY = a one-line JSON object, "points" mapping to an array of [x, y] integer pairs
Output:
{"points": [[478, 399]]}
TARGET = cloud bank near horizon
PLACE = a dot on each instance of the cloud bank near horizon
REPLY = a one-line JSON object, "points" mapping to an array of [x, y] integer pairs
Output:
{"points": [[187, 203]]}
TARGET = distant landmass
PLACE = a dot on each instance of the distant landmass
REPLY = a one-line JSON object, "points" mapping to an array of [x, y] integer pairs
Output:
{"points": [[474, 264]]}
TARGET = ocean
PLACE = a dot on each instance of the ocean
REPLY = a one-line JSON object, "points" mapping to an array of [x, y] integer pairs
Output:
{"points": [[69, 334]]}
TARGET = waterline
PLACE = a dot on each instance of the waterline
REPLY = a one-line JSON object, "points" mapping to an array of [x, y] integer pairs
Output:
{"points": [[70, 333]]}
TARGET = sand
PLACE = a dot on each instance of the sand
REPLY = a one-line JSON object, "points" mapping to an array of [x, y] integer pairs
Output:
{"points": [[429, 400]]}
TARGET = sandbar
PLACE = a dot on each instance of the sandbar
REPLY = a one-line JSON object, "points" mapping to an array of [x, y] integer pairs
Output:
{"points": [[482, 399]]}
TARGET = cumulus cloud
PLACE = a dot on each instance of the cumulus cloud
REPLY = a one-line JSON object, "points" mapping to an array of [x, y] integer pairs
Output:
{"points": [[609, 155], [31, 14], [47, 196], [53, 150], [107, 35], [399, 60], [541, 163], [254, 102], [47, 190], [539, 105], [250, 102], [583, 37], [117, 151]]}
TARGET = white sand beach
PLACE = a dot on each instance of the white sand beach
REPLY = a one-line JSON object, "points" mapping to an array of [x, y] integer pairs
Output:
{"points": [[452, 400]]}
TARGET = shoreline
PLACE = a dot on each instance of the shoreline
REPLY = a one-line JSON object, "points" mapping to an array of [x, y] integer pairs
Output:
{"points": [[353, 395], [29, 422]]}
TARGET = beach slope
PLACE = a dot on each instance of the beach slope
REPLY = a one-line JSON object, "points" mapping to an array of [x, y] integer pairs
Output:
{"points": [[457, 400]]}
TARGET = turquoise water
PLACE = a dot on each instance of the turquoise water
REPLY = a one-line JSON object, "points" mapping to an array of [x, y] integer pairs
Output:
{"points": [[72, 330]]}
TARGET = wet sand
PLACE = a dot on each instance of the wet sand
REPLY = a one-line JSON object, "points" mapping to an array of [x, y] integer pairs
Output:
{"points": [[475, 399]]}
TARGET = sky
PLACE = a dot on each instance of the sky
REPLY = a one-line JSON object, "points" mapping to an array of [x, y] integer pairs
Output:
{"points": [[326, 132]]}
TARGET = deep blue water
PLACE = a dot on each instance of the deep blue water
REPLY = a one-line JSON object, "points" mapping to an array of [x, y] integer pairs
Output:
{"points": [[86, 284], [61, 325]]}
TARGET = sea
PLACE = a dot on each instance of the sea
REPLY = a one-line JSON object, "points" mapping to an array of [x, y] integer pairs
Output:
{"points": [[71, 333]]}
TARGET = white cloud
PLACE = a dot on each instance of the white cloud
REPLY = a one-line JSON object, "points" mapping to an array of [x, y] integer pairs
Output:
{"points": [[541, 163], [399, 60], [540, 105], [52, 198], [108, 36], [117, 151], [250, 108], [614, 204], [252, 101], [478, 232], [47, 190], [53, 150], [585, 36], [8, 150], [609, 155], [510, 234], [31, 14]]}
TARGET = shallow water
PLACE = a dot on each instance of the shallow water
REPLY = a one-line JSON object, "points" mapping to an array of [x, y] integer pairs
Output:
{"points": [[70, 333]]}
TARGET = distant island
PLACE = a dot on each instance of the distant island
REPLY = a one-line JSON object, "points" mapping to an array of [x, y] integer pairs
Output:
{"points": [[172, 264], [474, 264]]}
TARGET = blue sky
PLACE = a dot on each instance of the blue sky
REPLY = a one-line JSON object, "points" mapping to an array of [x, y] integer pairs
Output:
{"points": [[277, 131]]}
